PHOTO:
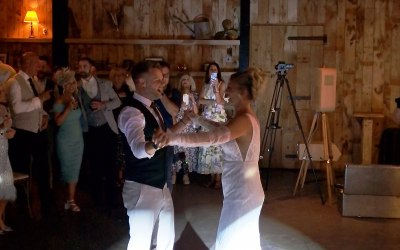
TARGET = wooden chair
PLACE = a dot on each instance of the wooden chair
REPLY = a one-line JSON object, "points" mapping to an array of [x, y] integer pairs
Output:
{"points": [[25, 181]]}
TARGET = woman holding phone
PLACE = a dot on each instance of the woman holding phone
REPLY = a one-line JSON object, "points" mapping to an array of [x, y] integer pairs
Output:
{"points": [[186, 158], [212, 102]]}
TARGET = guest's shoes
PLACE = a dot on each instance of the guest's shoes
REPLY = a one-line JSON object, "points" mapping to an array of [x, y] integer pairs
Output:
{"points": [[173, 178], [7, 229], [217, 185], [71, 206], [185, 179], [208, 184], [36, 209]]}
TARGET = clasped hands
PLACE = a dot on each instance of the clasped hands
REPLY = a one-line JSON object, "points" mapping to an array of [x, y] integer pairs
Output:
{"points": [[161, 139], [97, 105]]}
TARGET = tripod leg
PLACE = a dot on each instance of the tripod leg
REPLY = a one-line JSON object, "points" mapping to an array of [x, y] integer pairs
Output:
{"points": [[271, 127], [304, 140], [270, 153]]}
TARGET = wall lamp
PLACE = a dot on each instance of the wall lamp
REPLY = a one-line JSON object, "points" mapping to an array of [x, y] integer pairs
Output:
{"points": [[31, 17]]}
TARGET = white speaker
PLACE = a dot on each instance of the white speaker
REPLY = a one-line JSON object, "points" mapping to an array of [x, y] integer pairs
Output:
{"points": [[324, 96]]}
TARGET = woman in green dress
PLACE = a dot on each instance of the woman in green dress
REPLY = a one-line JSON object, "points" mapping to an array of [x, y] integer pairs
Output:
{"points": [[69, 138]]}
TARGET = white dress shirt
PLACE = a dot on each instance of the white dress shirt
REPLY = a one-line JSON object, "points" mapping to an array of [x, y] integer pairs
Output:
{"points": [[20, 106], [90, 87], [131, 122], [40, 85]]}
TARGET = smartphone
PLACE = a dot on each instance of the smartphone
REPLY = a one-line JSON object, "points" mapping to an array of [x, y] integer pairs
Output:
{"points": [[185, 99], [214, 76]]}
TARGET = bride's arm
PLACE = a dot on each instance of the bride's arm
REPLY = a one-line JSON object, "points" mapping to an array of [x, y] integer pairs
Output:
{"points": [[205, 123], [236, 128]]}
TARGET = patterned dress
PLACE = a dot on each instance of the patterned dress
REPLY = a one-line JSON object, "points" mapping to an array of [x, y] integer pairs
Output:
{"points": [[210, 158], [184, 156], [7, 188]]}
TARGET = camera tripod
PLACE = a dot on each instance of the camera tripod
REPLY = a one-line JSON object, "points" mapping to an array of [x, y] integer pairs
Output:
{"points": [[272, 124]]}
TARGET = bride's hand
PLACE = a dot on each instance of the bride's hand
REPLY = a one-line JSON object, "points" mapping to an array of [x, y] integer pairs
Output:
{"points": [[160, 138], [189, 116]]}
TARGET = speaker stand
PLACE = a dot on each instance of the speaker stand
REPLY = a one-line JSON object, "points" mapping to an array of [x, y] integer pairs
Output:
{"points": [[328, 156]]}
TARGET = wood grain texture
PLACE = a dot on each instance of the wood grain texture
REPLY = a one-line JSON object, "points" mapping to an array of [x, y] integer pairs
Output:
{"points": [[362, 45], [270, 45]]}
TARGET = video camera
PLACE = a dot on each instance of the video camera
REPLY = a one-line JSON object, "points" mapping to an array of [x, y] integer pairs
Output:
{"points": [[282, 67]]}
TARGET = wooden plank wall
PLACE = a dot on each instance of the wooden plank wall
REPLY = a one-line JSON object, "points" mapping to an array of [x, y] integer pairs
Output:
{"points": [[12, 14], [362, 45], [15, 50], [271, 45], [147, 19]]}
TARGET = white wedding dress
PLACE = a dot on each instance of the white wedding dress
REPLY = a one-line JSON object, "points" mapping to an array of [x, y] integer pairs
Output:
{"points": [[243, 195], [238, 227]]}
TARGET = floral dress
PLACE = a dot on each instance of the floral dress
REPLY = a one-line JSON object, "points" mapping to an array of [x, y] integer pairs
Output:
{"points": [[183, 156], [7, 188], [210, 158]]}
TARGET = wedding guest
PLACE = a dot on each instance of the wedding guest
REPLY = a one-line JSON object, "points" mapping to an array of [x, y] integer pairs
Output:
{"points": [[29, 145], [168, 104], [6, 72], [69, 138], [396, 114], [128, 65], [98, 100], [8, 192], [118, 79], [186, 158], [7, 189], [212, 102], [238, 226], [118, 76], [43, 81]]}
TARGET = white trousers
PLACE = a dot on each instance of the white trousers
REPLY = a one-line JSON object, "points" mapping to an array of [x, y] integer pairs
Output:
{"points": [[145, 204]]}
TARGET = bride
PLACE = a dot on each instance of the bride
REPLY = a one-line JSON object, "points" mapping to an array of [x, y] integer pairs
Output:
{"points": [[243, 193]]}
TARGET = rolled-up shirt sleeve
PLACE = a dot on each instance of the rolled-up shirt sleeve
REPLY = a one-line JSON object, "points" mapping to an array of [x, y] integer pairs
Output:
{"points": [[131, 122], [19, 105]]}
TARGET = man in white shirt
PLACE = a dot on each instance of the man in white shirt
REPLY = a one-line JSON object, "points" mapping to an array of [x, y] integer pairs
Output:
{"points": [[30, 141], [146, 166]]}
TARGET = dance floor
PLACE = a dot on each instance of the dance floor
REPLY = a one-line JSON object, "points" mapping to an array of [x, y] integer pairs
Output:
{"points": [[286, 222]]}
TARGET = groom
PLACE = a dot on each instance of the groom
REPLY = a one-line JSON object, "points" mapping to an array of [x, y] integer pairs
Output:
{"points": [[146, 169]]}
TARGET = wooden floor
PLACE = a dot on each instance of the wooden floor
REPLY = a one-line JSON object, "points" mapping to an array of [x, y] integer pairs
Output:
{"points": [[286, 222]]}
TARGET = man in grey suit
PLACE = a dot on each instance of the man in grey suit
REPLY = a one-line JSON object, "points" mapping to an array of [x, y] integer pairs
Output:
{"points": [[98, 100]]}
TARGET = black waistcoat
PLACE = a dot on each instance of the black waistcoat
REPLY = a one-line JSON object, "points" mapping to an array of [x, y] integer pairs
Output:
{"points": [[146, 171]]}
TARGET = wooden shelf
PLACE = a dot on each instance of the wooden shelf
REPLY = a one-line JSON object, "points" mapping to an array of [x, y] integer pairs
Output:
{"points": [[201, 73], [26, 40], [177, 73], [152, 42]]}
